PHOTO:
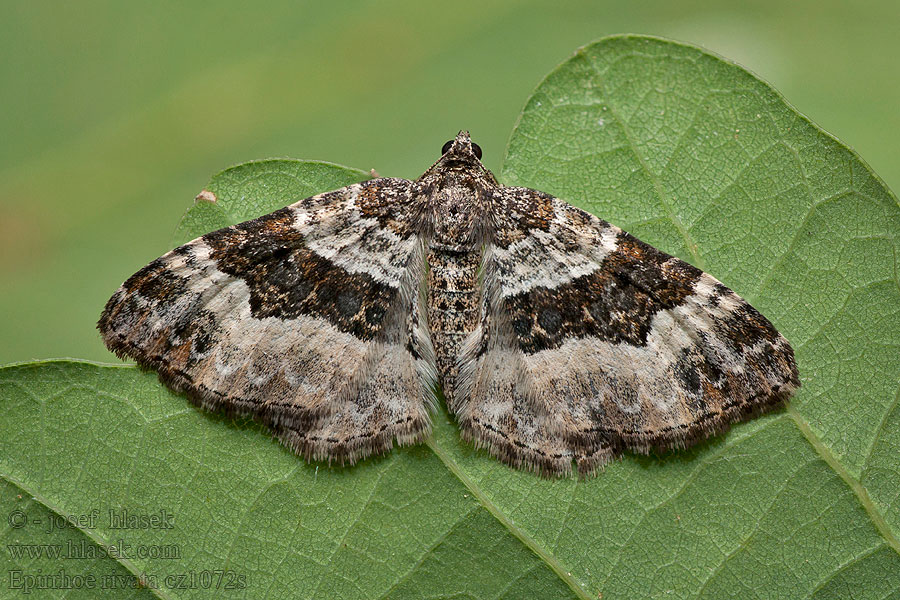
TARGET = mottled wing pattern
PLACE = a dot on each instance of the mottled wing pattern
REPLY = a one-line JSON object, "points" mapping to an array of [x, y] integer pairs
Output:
{"points": [[592, 342], [308, 318]]}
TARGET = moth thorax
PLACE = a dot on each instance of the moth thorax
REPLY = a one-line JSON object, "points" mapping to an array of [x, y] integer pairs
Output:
{"points": [[458, 218]]}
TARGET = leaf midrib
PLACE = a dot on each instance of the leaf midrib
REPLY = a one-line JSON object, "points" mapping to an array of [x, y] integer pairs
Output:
{"points": [[549, 559]]}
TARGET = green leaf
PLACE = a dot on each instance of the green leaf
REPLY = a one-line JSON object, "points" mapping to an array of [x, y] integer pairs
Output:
{"points": [[692, 154]]}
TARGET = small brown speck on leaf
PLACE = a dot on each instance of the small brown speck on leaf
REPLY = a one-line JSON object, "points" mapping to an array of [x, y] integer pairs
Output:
{"points": [[206, 196]]}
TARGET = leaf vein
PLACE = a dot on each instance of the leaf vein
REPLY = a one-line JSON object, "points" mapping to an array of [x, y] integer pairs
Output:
{"points": [[550, 559], [858, 489], [85, 531]]}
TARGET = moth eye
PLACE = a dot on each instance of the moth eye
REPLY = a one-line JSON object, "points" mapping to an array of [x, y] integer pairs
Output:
{"points": [[477, 150], [446, 147]]}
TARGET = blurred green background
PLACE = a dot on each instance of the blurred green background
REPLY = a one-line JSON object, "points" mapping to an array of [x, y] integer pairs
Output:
{"points": [[115, 114]]}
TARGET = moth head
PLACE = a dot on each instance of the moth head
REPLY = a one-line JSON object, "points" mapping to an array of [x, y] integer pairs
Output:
{"points": [[459, 166], [462, 147]]}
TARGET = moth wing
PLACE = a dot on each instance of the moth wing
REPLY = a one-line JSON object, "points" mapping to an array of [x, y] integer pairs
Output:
{"points": [[303, 318], [592, 342]]}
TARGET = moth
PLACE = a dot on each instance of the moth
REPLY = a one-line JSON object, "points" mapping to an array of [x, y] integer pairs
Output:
{"points": [[557, 339]]}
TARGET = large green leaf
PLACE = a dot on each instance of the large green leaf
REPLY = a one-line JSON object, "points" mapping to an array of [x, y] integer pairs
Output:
{"points": [[687, 151]]}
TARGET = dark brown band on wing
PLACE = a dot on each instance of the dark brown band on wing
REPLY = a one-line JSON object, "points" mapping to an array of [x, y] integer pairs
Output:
{"points": [[614, 303], [287, 280]]}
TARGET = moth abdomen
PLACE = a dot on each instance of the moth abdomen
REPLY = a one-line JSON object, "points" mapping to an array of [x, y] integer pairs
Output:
{"points": [[454, 298]]}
